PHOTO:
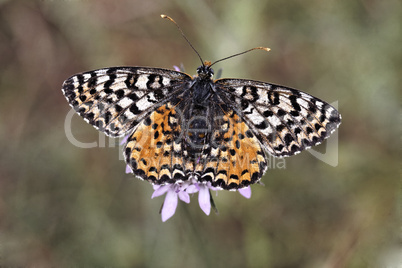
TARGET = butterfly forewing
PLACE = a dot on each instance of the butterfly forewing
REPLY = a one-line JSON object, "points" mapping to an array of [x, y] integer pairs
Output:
{"points": [[286, 121], [114, 100]]}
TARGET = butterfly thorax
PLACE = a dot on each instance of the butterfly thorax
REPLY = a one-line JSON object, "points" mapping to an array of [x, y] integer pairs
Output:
{"points": [[202, 86]]}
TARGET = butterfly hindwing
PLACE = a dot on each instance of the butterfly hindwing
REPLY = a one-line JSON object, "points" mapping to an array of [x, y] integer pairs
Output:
{"points": [[116, 99], [286, 121], [237, 159], [153, 150]]}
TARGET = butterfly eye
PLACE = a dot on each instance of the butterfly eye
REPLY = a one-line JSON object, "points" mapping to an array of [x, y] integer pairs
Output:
{"points": [[205, 71]]}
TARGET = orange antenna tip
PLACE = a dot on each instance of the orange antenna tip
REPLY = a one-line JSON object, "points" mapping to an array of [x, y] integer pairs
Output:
{"points": [[264, 48], [169, 18]]}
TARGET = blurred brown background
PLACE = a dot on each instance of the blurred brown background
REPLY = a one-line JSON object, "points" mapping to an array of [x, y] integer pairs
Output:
{"points": [[64, 206]]}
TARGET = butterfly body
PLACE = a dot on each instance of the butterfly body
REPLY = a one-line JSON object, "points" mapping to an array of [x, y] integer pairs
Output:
{"points": [[182, 127], [202, 86]]}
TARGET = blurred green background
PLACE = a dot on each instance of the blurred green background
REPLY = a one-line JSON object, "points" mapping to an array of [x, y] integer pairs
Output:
{"points": [[65, 206]]}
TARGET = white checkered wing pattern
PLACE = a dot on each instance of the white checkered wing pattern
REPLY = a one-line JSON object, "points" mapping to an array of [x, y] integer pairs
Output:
{"points": [[114, 100], [284, 120]]}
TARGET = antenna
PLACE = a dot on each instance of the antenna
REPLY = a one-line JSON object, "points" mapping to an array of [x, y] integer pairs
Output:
{"points": [[261, 48], [208, 63], [169, 18]]}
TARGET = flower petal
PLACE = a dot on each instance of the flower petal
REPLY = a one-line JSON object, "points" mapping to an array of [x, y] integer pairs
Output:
{"points": [[246, 192], [191, 189], [213, 188], [160, 190], [128, 169], [124, 140], [169, 206], [184, 197], [204, 199], [156, 186]]}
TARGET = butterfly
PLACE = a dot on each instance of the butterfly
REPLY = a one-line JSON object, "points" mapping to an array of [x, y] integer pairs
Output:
{"points": [[181, 127]]}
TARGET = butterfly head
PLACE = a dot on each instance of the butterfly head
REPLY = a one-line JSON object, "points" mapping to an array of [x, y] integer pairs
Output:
{"points": [[205, 71]]}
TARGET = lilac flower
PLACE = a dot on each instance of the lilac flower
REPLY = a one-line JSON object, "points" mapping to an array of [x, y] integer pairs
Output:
{"points": [[128, 169], [173, 192], [246, 192], [124, 140], [204, 199], [181, 190]]}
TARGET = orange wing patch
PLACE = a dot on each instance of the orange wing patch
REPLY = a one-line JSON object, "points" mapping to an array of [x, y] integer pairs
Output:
{"points": [[239, 160], [151, 151]]}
